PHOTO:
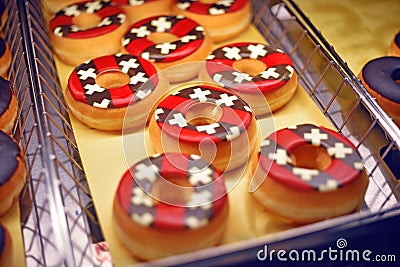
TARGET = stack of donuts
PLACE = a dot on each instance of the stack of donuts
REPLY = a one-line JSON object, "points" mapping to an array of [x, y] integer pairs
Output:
{"points": [[168, 74], [12, 160]]}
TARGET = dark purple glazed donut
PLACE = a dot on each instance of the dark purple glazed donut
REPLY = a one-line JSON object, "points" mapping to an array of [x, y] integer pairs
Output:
{"points": [[381, 77]]}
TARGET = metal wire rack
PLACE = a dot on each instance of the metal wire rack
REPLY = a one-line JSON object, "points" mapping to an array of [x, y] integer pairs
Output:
{"points": [[57, 224]]}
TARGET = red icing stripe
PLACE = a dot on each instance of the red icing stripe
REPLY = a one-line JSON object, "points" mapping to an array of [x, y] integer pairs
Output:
{"points": [[120, 94], [183, 27], [287, 138], [105, 64], [75, 88], [195, 137], [138, 46], [175, 102], [183, 51], [236, 116], [341, 171], [125, 189], [169, 217], [274, 59]]}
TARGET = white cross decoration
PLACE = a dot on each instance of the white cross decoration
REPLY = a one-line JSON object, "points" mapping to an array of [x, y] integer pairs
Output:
{"points": [[58, 32], [329, 186], [225, 99], [358, 165], [265, 142], [105, 22], [89, 73], [91, 88], [166, 47], [290, 70], [188, 38], [183, 5], [149, 172], [142, 94], [72, 11], [146, 55], [339, 151], [145, 219], [233, 133], [210, 57], [139, 77], [240, 76], [305, 174], [226, 3], [232, 53], [126, 41], [136, 2], [209, 129], [179, 120], [158, 112], [92, 7], [216, 11], [248, 109], [192, 222], [315, 136], [130, 64], [199, 28], [257, 50], [121, 17], [270, 72], [104, 103], [161, 24], [217, 78], [200, 94], [197, 175], [140, 32], [280, 157], [139, 197], [200, 199]]}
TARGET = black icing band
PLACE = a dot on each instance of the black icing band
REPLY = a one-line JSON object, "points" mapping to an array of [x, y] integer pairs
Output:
{"points": [[9, 153], [381, 74], [5, 95]]}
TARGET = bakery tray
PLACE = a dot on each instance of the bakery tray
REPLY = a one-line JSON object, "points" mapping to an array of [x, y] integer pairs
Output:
{"points": [[58, 221]]}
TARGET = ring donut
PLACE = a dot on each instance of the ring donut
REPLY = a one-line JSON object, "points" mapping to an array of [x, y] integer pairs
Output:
{"points": [[188, 212], [309, 173], [5, 247], [8, 106], [186, 42], [380, 77], [87, 30], [253, 70], [12, 172], [223, 19], [219, 116], [100, 99], [140, 9], [394, 49]]}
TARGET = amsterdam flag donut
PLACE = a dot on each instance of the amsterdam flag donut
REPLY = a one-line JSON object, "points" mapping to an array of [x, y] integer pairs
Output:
{"points": [[223, 19], [169, 41], [170, 204], [309, 173], [205, 120], [98, 96], [12, 172], [5, 247], [8, 106], [87, 30], [140, 9], [257, 72]]}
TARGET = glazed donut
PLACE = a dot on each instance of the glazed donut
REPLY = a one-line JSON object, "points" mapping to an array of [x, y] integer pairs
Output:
{"points": [[394, 49], [5, 58], [308, 173], [87, 30], [205, 120], [257, 72], [12, 172], [5, 247], [99, 96], [223, 19], [169, 41], [8, 106], [381, 78], [170, 204], [140, 9]]}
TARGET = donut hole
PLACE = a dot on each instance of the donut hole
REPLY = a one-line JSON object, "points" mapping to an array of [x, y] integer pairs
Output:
{"points": [[112, 79], [162, 37], [86, 21], [310, 157], [173, 189], [203, 113], [396, 76], [251, 66]]}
